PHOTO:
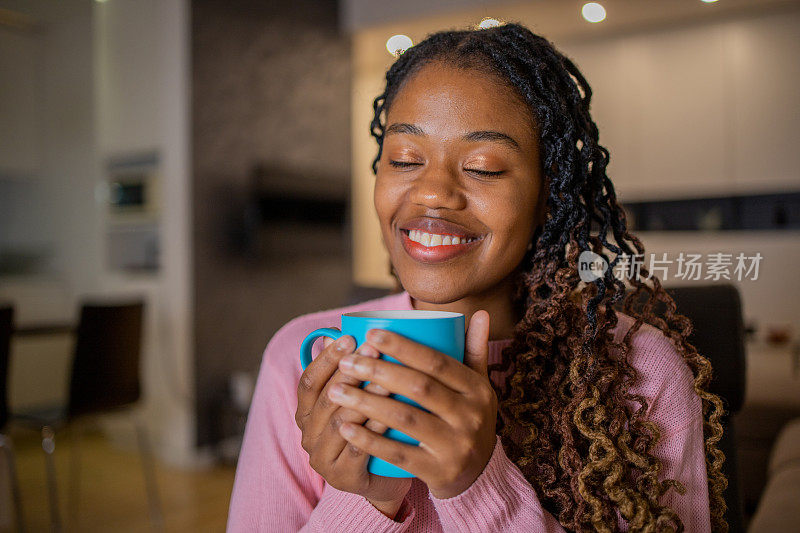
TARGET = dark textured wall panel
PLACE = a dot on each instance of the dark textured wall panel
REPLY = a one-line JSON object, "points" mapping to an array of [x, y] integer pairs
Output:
{"points": [[271, 86]]}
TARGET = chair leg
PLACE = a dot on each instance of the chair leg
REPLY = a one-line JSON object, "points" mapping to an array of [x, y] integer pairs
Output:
{"points": [[8, 448], [151, 484], [75, 475], [49, 446]]}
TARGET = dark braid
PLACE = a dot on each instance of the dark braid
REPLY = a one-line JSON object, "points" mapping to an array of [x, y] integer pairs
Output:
{"points": [[585, 452]]}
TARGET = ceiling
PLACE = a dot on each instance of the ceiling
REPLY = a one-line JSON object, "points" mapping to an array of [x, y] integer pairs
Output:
{"points": [[561, 18]]}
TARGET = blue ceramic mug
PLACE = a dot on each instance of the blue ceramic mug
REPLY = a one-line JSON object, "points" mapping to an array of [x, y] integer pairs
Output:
{"points": [[440, 330]]}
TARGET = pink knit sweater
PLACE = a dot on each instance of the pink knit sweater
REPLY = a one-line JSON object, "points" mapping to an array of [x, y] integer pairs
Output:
{"points": [[276, 489]]}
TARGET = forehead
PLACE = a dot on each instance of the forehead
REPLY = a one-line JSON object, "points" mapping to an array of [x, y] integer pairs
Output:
{"points": [[443, 99]]}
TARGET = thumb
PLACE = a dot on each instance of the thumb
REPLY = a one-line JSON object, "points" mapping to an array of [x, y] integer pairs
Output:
{"points": [[327, 340], [476, 351]]}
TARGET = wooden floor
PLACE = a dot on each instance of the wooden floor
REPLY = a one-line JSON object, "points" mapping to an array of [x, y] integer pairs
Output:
{"points": [[112, 490]]}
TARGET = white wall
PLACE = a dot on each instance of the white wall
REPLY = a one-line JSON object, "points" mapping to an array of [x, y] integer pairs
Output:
{"points": [[107, 80], [47, 171], [47, 183], [142, 83], [20, 119]]}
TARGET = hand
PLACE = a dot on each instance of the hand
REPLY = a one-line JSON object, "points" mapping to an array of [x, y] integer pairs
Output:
{"points": [[457, 437], [342, 465]]}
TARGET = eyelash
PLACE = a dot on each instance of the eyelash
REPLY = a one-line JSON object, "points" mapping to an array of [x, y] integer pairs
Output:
{"points": [[405, 164]]}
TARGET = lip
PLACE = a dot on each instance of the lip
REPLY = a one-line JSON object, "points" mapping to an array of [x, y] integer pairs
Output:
{"points": [[440, 226], [434, 254]]}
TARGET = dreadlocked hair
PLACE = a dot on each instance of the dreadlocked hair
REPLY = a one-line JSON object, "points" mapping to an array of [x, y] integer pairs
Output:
{"points": [[585, 451]]}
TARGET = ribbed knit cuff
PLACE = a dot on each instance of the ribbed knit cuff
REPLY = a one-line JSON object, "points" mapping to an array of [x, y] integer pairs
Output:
{"points": [[343, 511], [492, 502]]}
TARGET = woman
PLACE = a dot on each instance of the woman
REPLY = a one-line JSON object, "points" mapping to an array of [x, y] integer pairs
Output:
{"points": [[567, 414]]}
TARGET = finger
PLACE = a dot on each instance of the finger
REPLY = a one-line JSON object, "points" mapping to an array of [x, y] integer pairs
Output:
{"points": [[351, 456], [327, 341], [409, 382], [411, 420], [378, 427], [330, 443], [323, 404], [423, 358], [354, 458], [374, 425], [410, 458], [376, 389], [476, 351], [371, 424], [343, 414], [318, 373]]}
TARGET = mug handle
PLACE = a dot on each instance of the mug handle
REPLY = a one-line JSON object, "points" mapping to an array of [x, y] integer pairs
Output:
{"points": [[305, 348]]}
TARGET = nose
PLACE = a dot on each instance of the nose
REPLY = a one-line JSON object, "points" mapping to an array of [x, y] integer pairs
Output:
{"points": [[438, 187]]}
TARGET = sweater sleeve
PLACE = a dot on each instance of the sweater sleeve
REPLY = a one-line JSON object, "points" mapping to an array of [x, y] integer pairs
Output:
{"points": [[500, 499], [678, 412], [275, 488], [668, 384]]}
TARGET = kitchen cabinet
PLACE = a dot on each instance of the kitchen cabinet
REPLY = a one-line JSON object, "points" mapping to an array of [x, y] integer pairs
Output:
{"points": [[766, 70], [20, 103], [660, 103], [698, 110]]}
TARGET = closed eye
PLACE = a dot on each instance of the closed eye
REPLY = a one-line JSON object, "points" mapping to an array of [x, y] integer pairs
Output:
{"points": [[484, 172], [406, 164], [402, 164]]}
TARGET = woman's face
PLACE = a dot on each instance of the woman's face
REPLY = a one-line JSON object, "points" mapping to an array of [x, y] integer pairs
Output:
{"points": [[460, 160]]}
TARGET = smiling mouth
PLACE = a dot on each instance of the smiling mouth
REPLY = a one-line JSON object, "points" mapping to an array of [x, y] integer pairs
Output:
{"points": [[431, 248], [430, 240]]}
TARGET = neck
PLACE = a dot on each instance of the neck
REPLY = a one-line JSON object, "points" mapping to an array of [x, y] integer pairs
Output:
{"points": [[498, 303]]}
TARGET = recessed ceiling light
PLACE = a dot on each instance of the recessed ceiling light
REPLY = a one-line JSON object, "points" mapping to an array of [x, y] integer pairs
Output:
{"points": [[708, 1], [593, 12], [397, 44], [487, 22]]}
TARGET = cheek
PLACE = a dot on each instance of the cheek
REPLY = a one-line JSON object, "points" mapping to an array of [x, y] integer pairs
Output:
{"points": [[380, 199], [513, 216], [385, 201]]}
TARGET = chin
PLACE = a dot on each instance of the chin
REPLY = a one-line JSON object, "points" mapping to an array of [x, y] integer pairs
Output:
{"points": [[434, 291]]}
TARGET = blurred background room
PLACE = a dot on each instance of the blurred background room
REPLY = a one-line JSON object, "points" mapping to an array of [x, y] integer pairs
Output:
{"points": [[178, 179]]}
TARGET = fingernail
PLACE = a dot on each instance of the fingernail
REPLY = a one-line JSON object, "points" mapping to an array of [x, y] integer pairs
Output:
{"points": [[336, 392], [343, 344], [367, 350], [347, 362], [347, 430], [377, 336], [380, 390]]}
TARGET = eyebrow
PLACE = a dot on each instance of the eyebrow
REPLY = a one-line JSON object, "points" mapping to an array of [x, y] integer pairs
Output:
{"points": [[473, 136]]}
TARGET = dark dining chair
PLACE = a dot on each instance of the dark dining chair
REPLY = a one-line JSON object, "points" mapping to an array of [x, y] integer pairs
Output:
{"points": [[6, 327], [104, 378]]}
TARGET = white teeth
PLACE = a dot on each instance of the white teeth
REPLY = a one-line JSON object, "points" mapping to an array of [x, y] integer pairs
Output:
{"points": [[434, 239]]}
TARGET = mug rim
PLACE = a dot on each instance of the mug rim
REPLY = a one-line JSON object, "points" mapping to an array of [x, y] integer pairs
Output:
{"points": [[395, 314]]}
